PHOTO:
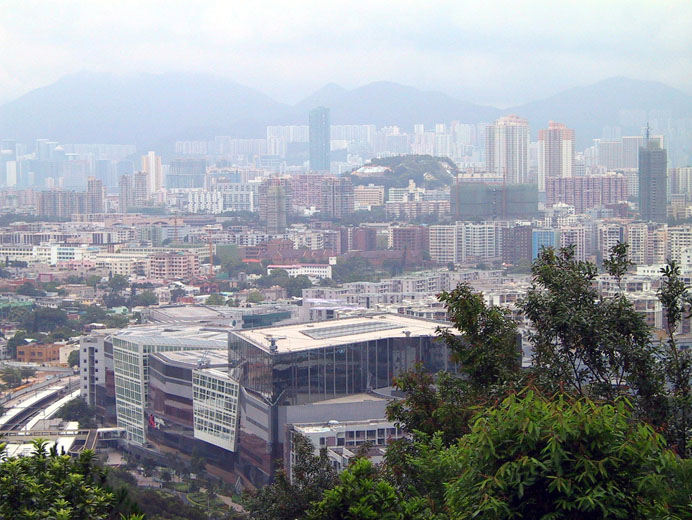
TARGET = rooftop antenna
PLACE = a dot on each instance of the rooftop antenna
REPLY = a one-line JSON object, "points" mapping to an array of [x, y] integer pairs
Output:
{"points": [[647, 134]]}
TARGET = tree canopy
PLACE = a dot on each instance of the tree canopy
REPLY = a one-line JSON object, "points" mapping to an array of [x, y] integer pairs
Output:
{"points": [[49, 485]]}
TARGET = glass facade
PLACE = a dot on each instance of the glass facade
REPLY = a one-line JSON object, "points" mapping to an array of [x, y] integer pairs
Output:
{"points": [[272, 382], [215, 405], [316, 374], [131, 370]]}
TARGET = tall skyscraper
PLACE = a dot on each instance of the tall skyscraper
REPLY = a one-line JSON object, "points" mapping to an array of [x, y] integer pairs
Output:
{"points": [[653, 179], [126, 198], [95, 197], [151, 164], [337, 197], [555, 153], [186, 173], [275, 203], [507, 149], [320, 139]]}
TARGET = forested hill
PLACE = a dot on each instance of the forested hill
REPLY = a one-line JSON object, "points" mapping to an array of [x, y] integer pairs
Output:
{"points": [[425, 170]]}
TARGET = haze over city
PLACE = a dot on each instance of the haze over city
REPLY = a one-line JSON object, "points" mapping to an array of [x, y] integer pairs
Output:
{"points": [[497, 53]]}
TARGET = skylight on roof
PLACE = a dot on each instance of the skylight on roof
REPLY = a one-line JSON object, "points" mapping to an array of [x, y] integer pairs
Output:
{"points": [[349, 329]]}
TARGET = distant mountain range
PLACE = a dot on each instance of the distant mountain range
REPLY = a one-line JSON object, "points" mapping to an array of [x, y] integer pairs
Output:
{"points": [[153, 110]]}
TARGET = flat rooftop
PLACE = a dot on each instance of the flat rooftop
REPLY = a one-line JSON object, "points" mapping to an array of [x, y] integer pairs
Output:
{"points": [[191, 358], [306, 336], [182, 335]]}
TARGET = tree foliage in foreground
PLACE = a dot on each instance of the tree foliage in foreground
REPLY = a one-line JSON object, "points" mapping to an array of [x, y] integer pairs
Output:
{"points": [[290, 496], [532, 457], [47, 485], [585, 343], [527, 457]]}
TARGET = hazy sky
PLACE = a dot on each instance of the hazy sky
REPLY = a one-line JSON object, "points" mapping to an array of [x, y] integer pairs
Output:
{"points": [[485, 51]]}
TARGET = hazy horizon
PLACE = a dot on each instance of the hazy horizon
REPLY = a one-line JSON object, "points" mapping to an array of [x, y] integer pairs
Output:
{"points": [[489, 54]]}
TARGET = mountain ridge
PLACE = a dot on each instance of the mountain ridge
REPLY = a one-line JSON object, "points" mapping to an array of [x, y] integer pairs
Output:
{"points": [[155, 109]]}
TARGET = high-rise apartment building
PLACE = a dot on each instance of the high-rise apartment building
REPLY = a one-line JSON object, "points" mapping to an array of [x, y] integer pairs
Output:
{"points": [[320, 139], [411, 238], [444, 244], [586, 192], [368, 196], [540, 238], [555, 153], [94, 202], [142, 188], [648, 242], [507, 149], [337, 197], [151, 164], [126, 197], [653, 178], [186, 173], [275, 203], [60, 203], [680, 181], [516, 244], [133, 191], [574, 236]]}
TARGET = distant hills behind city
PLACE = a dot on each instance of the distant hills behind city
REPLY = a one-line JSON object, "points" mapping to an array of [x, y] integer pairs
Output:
{"points": [[153, 110]]}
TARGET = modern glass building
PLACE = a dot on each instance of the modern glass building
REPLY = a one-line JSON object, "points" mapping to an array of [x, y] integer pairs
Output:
{"points": [[653, 179], [234, 393], [131, 350], [319, 372], [215, 406], [541, 238]]}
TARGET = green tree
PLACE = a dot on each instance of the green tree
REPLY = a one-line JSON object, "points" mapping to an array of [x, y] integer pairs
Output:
{"points": [[144, 299], [255, 297], [176, 294], [78, 410], [586, 344], [26, 372], [532, 457], [118, 282], [290, 498], [11, 376], [73, 359], [363, 495], [675, 299], [48, 485], [43, 319], [28, 289], [295, 285], [166, 476], [483, 341], [93, 280], [619, 262], [215, 299]]}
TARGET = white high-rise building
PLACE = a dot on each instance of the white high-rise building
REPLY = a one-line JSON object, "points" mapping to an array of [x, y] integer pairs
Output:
{"points": [[151, 164], [680, 238], [576, 236], [555, 153], [507, 149]]}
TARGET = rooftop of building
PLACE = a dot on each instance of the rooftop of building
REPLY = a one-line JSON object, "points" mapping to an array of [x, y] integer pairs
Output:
{"points": [[337, 426], [307, 336], [184, 335], [189, 314], [195, 358]]}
